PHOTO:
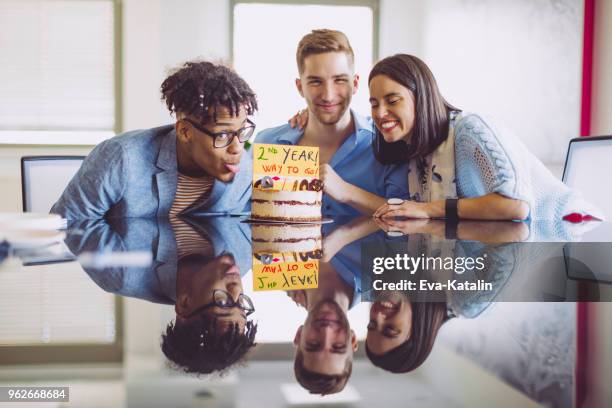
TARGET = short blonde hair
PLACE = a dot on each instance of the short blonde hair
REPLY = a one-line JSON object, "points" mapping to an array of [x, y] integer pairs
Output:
{"points": [[320, 42]]}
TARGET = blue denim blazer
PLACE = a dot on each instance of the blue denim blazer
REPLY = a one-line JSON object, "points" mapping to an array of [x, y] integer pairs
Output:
{"points": [[135, 175], [156, 283]]}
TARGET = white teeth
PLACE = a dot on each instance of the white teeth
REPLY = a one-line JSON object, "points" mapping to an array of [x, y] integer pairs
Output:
{"points": [[388, 305], [388, 125]]}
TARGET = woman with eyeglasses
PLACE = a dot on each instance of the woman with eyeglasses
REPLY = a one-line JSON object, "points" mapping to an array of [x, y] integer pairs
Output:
{"points": [[196, 165]]}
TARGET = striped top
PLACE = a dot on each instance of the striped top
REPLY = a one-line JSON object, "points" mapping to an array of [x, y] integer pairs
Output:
{"points": [[188, 240], [191, 191]]}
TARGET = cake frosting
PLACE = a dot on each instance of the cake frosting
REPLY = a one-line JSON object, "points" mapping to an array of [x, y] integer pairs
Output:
{"points": [[278, 244], [302, 202], [275, 238]]}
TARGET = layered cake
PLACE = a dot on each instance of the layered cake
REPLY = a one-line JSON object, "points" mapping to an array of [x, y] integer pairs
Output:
{"points": [[277, 238], [291, 200], [278, 244]]}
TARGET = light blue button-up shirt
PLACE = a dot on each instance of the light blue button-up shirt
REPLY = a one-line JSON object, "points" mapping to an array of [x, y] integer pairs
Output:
{"points": [[354, 161]]}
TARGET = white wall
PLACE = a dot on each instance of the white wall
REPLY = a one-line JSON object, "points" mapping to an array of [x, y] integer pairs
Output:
{"points": [[158, 36], [401, 27], [518, 61]]}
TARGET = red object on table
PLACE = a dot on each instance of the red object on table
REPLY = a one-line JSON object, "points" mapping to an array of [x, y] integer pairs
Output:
{"points": [[577, 217]]}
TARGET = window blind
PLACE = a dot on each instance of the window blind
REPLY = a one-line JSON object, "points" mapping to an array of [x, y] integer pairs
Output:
{"points": [[57, 65]]}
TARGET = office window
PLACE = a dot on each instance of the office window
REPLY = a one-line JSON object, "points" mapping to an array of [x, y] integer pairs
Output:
{"points": [[265, 38], [57, 71], [59, 307]]}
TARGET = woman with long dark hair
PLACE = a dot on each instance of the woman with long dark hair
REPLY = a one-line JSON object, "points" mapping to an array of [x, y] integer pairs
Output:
{"points": [[459, 165]]}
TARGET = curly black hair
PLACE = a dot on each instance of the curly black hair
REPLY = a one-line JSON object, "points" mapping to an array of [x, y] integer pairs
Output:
{"points": [[198, 88], [204, 347]]}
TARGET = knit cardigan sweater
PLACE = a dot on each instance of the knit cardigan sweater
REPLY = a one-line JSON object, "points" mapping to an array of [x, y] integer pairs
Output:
{"points": [[489, 160]]}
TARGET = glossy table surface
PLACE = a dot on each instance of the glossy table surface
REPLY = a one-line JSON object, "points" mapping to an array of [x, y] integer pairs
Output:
{"points": [[68, 295]]}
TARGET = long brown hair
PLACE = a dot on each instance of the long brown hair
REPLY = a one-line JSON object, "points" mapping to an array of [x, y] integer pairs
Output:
{"points": [[427, 318], [431, 109]]}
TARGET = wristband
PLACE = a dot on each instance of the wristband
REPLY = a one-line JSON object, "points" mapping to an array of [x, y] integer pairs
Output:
{"points": [[452, 218], [451, 210], [450, 230]]}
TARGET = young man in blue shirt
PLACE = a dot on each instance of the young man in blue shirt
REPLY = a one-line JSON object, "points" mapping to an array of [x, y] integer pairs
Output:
{"points": [[354, 181]]}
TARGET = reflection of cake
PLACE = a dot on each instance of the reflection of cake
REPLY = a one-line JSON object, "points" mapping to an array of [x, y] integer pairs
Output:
{"points": [[302, 202], [271, 238]]}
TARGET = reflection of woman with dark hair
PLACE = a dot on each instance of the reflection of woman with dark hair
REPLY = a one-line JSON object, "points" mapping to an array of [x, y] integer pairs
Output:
{"points": [[401, 334], [403, 326]]}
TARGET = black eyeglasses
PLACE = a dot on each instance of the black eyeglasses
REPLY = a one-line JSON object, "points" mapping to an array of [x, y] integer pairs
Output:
{"points": [[223, 139], [222, 298]]}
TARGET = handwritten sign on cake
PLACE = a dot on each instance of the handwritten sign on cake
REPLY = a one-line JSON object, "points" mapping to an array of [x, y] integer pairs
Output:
{"points": [[283, 272], [286, 184], [285, 160]]}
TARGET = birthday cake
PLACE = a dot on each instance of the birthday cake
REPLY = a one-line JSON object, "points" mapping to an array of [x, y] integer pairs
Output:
{"points": [[294, 243], [295, 200]]}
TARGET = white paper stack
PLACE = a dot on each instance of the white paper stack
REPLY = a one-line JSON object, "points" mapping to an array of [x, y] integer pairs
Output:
{"points": [[31, 230]]}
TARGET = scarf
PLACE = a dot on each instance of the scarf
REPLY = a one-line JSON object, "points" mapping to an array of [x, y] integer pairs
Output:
{"points": [[432, 177]]}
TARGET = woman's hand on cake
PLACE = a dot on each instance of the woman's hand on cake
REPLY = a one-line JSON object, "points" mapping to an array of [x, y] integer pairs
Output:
{"points": [[300, 119], [333, 184]]}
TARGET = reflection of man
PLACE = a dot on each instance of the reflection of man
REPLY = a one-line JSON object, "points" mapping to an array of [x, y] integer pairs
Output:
{"points": [[211, 331], [195, 165], [154, 283], [325, 343], [327, 81]]}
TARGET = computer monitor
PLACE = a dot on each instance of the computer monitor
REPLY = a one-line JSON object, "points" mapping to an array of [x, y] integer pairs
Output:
{"points": [[44, 178], [588, 169]]}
